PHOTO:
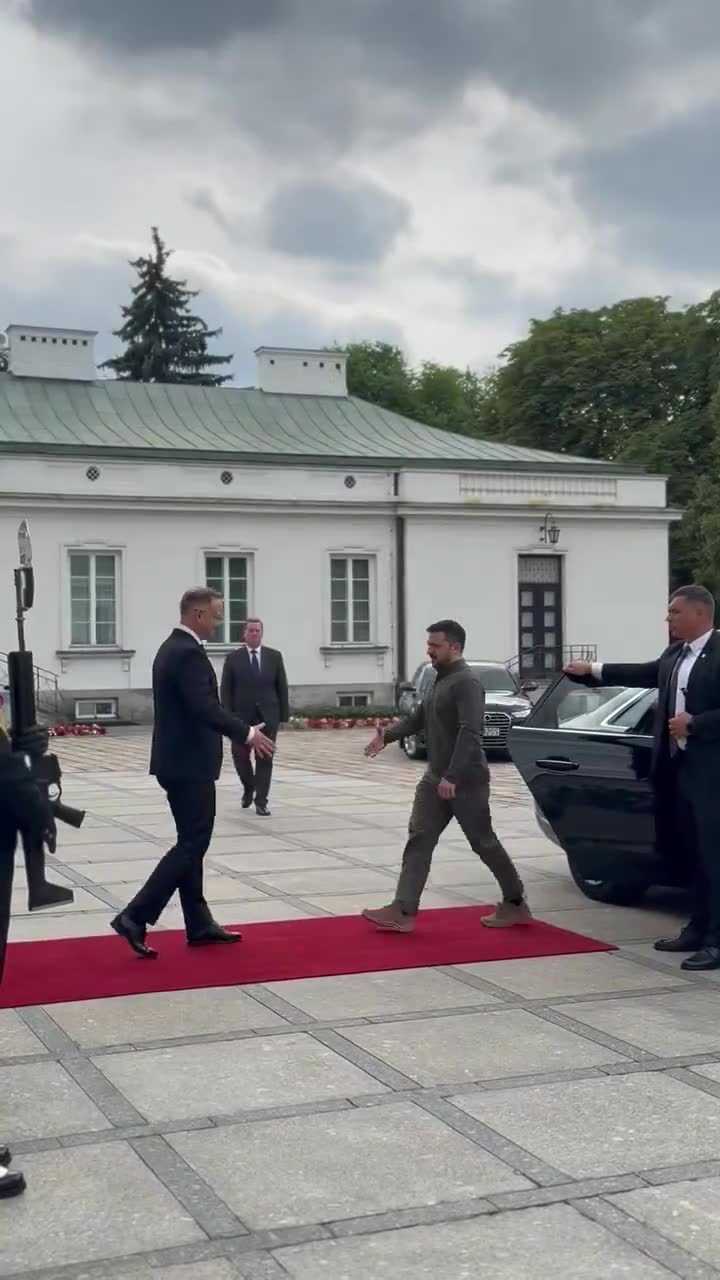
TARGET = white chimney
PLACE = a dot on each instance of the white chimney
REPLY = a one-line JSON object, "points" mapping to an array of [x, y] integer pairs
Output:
{"points": [[293, 372], [37, 351]]}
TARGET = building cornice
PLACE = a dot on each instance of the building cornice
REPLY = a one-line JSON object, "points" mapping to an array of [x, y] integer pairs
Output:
{"points": [[318, 461], [378, 507]]}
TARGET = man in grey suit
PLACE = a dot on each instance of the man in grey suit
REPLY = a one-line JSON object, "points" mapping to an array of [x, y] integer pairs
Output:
{"points": [[254, 686]]}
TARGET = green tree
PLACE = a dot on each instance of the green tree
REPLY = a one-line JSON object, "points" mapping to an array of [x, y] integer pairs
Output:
{"points": [[164, 341], [379, 372]]}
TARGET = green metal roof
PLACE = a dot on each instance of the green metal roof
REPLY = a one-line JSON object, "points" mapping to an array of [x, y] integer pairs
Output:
{"points": [[39, 415]]}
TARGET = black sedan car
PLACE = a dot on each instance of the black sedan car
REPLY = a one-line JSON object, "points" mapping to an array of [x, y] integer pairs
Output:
{"points": [[506, 702], [585, 755]]}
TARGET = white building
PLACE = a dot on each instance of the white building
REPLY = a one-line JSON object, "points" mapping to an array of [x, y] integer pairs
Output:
{"points": [[345, 527]]}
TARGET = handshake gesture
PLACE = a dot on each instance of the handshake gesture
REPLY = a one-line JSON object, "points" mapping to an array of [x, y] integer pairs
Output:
{"points": [[260, 744]]}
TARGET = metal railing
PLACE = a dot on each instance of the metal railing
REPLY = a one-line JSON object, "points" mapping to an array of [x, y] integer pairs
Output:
{"points": [[534, 662], [48, 698]]}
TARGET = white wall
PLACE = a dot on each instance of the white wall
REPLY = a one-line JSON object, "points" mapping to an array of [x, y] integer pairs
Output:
{"points": [[615, 579], [163, 554], [614, 583]]}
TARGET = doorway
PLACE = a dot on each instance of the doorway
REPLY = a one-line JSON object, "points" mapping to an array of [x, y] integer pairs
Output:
{"points": [[540, 615]]}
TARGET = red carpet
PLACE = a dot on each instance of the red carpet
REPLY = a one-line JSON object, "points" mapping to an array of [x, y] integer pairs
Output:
{"points": [[90, 968]]}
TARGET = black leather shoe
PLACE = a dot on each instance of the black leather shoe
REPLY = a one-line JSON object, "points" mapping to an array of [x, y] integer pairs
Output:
{"points": [[247, 799], [11, 1184], [262, 811], [706, 958], [687, 940], [134, 935], [5, 1157], [213, 933]]}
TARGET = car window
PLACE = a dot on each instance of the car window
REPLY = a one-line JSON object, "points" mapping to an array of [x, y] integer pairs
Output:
{"points": [[494, 679], [613, 709], [619, 714], [427, 679]]}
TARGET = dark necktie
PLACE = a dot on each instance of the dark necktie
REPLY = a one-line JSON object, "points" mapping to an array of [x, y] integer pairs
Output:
{"points": [[672, 691], [254, 665]]}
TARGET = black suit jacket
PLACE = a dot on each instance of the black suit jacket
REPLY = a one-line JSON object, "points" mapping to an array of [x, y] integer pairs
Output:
{"points": [[702, 702], [245, 695], [189, 721]]}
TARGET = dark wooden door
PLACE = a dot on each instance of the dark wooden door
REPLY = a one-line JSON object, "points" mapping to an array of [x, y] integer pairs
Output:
{"points": [[540, 638]]}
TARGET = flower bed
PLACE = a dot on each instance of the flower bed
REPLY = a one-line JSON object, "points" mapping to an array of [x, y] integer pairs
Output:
{"points": [[76, 731], [340, 722]]}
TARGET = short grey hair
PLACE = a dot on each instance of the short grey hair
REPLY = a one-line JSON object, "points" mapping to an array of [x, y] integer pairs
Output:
{"points": [[695, 594], [198, 598]]}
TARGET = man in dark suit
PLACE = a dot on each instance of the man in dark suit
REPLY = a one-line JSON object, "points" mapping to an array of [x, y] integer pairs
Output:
{"points": [[254, 686], [186, 759], [686, 758], [24, 810]]}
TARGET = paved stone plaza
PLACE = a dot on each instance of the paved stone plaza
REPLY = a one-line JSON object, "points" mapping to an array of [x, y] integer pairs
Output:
{"points": [[539, 1118]]}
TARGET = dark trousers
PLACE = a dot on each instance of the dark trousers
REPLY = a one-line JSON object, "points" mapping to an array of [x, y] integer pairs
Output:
{"points": [[8, 841], [255, 780], [193, 808], [429, 818], [695, 831]]}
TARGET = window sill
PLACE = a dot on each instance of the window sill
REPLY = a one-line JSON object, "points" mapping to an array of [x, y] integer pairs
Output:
{"points": [[94, 651], [220, 649], [353, 647]]}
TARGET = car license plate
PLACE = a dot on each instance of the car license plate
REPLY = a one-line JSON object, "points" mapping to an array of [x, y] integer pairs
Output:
{"points": [[491, 731]]}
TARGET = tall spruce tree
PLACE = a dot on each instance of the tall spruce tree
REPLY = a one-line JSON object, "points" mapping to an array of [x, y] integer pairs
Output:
{"points": [[164, 341]]}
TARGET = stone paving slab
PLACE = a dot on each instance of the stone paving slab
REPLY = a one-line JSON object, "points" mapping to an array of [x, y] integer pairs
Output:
{"points": [[555, 1241], [557, 1116]]}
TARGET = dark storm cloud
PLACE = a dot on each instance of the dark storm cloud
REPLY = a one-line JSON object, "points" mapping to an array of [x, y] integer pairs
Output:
{"points": [[662, 191], [563, 55], [353, 222], [141, 26]]}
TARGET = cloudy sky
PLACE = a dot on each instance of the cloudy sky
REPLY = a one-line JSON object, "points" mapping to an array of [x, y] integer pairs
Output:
{"points": [[431, 172]]}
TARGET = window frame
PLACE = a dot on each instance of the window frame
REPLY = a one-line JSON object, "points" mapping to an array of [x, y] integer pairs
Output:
{"points": [[93, 550], [354, 705], [226, 554], [350, 555]]}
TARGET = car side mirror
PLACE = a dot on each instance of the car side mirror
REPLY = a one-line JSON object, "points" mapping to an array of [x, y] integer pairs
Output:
{"points": [[529, 687]]}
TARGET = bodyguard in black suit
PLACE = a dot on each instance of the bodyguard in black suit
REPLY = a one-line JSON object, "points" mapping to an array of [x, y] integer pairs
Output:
{"points": [[254, 686], [686, 758], [186, 759], [23, 811]]}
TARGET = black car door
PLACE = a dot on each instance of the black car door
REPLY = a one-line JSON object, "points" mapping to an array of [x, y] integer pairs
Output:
{"points": [[585, 755]]}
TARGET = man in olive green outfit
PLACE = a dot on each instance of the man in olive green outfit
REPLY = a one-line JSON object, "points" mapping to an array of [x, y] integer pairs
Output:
{"points": [[456, 784]]}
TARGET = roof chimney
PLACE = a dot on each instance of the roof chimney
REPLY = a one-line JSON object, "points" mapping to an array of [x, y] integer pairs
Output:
{"points": [[292, 371], [37, 351]]}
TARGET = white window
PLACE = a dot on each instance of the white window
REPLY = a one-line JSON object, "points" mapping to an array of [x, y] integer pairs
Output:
{"points": [[96, 709], [94, 597], [229, 574], [354, 699], [350, 583]]}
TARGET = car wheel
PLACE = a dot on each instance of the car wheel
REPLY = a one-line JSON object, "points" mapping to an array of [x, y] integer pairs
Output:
{"points": [[412, 748], [617, 893]]}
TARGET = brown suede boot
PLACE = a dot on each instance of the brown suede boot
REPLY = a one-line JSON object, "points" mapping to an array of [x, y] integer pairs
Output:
{"points": [[390, 918], [506, 914]]}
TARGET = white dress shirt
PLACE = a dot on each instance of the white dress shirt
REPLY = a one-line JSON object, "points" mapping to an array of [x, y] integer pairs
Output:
{"points": [[693, 649], [181, 627]]}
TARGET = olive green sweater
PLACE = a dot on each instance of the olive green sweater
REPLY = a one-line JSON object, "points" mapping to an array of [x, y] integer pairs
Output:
{"points": [[452, 718]]}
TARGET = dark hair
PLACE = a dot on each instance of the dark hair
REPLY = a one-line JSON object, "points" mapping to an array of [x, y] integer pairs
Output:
{"points": [[258, 620], [452, 631], [198, 598], [695, 594]]}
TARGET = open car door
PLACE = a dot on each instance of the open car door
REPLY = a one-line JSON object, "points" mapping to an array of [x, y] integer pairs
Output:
{"points": [[585, 755]]}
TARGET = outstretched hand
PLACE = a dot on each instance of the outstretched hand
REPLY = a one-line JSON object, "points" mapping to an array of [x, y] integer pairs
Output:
{"points": [[376, 745], [262, 745], [578, 669]]}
